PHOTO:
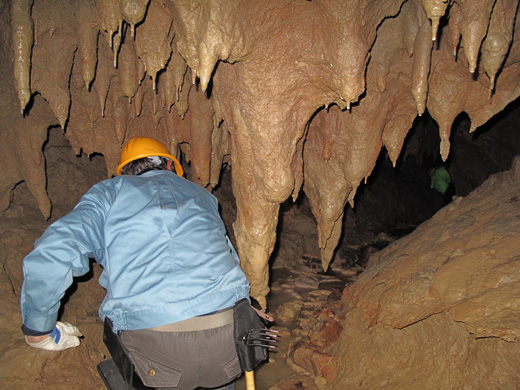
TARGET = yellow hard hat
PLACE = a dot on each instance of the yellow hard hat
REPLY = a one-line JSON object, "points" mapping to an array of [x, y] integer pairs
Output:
{"points": [[141, 147]]}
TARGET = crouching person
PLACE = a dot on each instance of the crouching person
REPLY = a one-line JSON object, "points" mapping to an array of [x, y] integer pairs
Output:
{"points": [[171, 274]]}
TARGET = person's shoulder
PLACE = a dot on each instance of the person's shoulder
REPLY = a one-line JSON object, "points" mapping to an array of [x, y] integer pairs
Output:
{"points": [[108, 187]]}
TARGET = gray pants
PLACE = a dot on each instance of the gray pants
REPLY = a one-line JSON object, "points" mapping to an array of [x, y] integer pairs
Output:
{"points": [[185, 360]]}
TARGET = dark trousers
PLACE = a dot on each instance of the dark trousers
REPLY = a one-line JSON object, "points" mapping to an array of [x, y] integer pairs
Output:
{"points": [[185, 360]]}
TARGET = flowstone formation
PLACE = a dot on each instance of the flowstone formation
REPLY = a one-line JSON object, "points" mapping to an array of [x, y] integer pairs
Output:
{"points": [[293, 94]]}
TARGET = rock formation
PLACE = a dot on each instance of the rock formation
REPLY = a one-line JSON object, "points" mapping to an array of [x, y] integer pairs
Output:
{"points": [[437, 309], [292, 94]]}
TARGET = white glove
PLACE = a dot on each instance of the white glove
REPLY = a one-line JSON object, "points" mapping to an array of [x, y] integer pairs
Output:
{"points": [[63, 336]]}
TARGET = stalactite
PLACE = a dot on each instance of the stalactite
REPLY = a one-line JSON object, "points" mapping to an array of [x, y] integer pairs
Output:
{"points": [[153, 41], [220, 145], [154, 96], [128, 70], [120, 116], [87, 30], [326, 151], [435, 10], [201, 123], [133, 12], [421, 66], [455, 23], [110, 18], [409, 27], [22, 37], [182, 104], [166, 86], [219, 148], [327, 197], [138, 100], [498, 38], [116, 43], [209, 31], [140, 69], [104, 74], [475, 15], [53, 57], [178, 66], [172, 121], [362, 150], [445, 132]]}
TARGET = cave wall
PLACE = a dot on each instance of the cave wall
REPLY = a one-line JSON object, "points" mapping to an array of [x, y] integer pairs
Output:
{"points": [[294, 95]]}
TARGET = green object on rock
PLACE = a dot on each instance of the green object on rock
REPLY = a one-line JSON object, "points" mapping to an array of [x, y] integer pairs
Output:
{"points": [[440, 179]]}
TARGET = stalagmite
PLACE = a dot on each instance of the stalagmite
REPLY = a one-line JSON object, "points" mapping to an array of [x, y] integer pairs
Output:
{"points": [[87, 30], [498, 39], [22, 37], [133, 11]]}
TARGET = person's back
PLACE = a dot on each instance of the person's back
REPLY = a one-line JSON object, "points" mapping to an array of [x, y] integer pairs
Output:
{"points": [[167, 252]]}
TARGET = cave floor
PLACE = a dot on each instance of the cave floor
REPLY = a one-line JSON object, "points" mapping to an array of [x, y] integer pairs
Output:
{"points": [[290, 285]]}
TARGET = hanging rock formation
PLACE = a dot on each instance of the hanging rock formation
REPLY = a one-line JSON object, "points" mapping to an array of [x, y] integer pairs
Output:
{"points": [[294, 94]]}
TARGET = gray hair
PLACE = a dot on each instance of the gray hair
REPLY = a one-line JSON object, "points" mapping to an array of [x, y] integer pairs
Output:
{"points": [[142, 165]]}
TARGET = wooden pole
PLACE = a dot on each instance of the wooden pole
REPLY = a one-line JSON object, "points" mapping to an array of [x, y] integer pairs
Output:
{"points": [[250, 380]]}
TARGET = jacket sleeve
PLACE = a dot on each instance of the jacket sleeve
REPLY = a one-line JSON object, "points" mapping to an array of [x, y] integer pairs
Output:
{"points": [[62, 252]]}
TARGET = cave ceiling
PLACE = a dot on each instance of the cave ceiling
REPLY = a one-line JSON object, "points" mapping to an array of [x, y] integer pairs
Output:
{"points": [[294, 95]]}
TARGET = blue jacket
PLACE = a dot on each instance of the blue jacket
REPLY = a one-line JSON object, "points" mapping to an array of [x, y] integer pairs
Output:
{"points": [[162, 245]]}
